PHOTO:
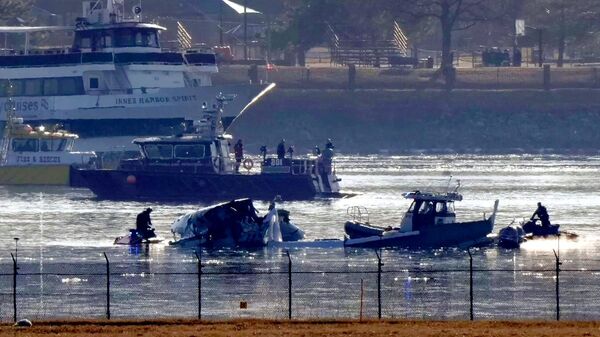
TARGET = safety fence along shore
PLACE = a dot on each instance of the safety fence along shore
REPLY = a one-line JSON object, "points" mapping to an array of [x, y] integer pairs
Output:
{"points": [[289, 285]]}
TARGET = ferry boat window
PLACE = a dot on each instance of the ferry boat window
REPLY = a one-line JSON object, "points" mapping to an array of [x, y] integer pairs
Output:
{"points": [[33, 87], [159, 151], [70, 86], [50, 86], [25, 145], [94, 83], [194, 151]]}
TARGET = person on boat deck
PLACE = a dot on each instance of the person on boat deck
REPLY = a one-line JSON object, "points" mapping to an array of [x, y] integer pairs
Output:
{"points": [[290, 151], [327, 157], [281, 149], [143, 224], [542, 213], [317, 151], [263, 152], [238, 150]]}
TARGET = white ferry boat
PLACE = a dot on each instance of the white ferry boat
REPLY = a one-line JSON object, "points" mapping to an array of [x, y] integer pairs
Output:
{"points": [[114, 82]]}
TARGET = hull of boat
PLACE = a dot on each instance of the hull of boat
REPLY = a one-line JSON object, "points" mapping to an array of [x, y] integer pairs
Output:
{"points": [[135, 185], [443, 235], [35, 175]]}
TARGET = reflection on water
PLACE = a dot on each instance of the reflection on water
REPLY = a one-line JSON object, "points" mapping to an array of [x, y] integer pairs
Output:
{"points": [[59, 222]]}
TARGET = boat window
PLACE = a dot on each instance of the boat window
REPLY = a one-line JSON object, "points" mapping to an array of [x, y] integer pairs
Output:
{"points": [[194, 151], [25, 145], [124, 38], [159, 151], [94, 83], [51, 86], [52, 145], [441, 208], [70, 85], [33, 87], [450, 207], [426, 207]]}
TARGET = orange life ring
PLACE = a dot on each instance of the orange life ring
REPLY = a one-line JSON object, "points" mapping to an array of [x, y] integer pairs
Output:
{"points": [[248, 164]]}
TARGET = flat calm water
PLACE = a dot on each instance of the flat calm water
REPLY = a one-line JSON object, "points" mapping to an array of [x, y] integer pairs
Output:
{"points": [[60, 228]]}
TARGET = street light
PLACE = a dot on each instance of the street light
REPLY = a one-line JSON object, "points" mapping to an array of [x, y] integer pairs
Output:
{"points": [[16, 248]]}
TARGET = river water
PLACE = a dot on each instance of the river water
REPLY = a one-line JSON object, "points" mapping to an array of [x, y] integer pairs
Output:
{"points": [[66, 231]]}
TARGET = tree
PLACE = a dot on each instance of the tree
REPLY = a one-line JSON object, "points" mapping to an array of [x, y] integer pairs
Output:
{"points": [[452, 15], [304, 25], [10, 9], [564, 21]]}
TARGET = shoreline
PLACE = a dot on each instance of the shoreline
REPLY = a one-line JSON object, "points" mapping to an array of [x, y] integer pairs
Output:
{"points": [[297, 328]]}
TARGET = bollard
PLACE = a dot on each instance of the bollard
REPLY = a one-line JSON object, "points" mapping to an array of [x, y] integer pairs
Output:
{"points": [[351, 76], [470, 284], [379, 265], [107, 286], [289, 284], [199, 258], [547, 77]]}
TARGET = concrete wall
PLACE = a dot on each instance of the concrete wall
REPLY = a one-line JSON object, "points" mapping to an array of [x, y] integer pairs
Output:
{"points": [[399, 121]]}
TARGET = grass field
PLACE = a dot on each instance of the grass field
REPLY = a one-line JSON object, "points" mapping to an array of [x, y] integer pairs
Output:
{"points": [[247, 328]]}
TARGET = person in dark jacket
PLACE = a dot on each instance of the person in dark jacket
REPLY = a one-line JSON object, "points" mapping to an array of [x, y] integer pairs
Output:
{"points": [[143, 224], [542, 213], [281, 149], [263, 152], [238, 150]]}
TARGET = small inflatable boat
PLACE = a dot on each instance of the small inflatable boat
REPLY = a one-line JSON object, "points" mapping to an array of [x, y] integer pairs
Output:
{"points": [[134, 239]]}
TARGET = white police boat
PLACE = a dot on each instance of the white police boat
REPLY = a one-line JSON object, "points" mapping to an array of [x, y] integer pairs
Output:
{"points": [[430, 222]]}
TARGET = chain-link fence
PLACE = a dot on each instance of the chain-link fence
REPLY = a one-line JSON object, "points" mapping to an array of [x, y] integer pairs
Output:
{"points": [[285, 286]]}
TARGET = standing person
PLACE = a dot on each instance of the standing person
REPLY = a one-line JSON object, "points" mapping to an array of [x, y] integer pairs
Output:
{"points": [[327, 157], [317, 151], [290, 151], [281, 149], [238, 150], [143, 224], [263, 152]]}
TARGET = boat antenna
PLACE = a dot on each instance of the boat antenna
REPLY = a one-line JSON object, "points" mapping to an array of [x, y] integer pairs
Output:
{"points": [[448, 185]]}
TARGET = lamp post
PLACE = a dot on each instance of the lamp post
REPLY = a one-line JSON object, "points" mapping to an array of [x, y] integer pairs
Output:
{"points": [[245, 30], [16, 248]]}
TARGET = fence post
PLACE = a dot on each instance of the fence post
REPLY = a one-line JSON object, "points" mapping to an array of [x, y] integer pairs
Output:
{"points": [[289, 284], [199, 258], [558, 263], [547, 77], [15, 268], [470, 284], [379, 265], [107, 286]]}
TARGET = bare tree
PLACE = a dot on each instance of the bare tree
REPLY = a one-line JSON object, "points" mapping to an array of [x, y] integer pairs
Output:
{"points": [[452, 15], [10, 9], [564, 21]]}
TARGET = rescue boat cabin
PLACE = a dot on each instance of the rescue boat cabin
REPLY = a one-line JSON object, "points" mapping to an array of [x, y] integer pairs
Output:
{"points": [[429, 209]]}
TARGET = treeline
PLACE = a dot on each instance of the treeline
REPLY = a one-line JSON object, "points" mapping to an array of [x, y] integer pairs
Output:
{"points": [[444, 24]]}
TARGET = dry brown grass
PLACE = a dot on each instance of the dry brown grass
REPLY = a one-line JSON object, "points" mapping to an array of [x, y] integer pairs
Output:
{"points": [[262, 328]]}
